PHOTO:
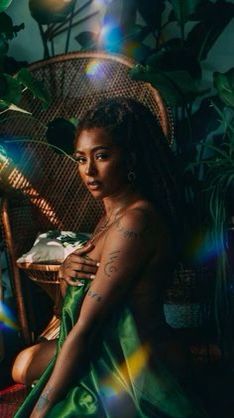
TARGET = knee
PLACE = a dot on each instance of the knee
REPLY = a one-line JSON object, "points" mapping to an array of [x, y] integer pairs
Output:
{"points": [[22, 367]]}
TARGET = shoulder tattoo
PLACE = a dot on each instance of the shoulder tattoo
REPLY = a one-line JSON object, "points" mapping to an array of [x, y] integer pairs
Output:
{"points": [[132, 234]]}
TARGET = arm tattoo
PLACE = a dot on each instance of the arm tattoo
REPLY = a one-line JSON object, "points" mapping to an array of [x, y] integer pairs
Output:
{"points": [[109, 266], [43, 399], [94, 295], [130, 234], [127, 233]]}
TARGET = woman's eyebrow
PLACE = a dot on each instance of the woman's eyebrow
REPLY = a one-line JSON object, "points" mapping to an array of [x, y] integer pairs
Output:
{"points": [[98, 147]]}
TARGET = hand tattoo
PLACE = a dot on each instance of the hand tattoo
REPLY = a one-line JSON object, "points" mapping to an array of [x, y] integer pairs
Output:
{"points": [[109, 266], [94, 295]]}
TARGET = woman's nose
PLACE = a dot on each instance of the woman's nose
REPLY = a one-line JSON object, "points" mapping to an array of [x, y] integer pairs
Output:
{"points": [[90, 168]]}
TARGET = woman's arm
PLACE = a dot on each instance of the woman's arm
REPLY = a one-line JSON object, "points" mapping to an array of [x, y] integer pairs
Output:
{"points": [[127, 247]]}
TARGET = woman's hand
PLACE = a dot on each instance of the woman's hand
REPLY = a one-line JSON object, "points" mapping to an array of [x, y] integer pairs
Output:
{"points": [[78, 266]]}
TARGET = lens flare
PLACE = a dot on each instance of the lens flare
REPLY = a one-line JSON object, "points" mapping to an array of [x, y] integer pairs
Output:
{"points": [[94, 68], [7, 319], [111, 36], [202, 248], [112, 388]]}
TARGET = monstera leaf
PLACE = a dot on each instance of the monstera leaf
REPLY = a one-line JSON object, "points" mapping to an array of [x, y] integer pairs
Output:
{"points": [[35, 86], [4, 4], [11, 91], [50, 11], [224, 83]]}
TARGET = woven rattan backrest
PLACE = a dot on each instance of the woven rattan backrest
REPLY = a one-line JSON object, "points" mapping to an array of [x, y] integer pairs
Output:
{"points": [[78, 80], [50, 194]]}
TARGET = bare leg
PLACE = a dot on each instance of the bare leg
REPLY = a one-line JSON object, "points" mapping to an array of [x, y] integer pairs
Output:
{"points": [[31, 362]]}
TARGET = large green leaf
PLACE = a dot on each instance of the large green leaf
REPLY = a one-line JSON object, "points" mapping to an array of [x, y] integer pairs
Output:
{"points": [[175, 59], [12, 91], [3, 45], [3, 85], [6, 25], [61, 134], [184, 9], [87, 40], [176, 87], [212, 19], [50, 11], [151, 11], [4, 4], [35, 86], [224, 83], [7, 28]]}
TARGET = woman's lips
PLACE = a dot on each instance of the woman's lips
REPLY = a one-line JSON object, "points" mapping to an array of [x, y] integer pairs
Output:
{"points": [[94, 185]]}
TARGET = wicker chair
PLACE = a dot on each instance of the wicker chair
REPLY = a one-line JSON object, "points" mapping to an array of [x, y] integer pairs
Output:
{"points": [[43, 190]]}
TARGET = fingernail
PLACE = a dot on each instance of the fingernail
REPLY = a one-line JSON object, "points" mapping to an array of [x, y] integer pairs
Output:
{"points": [[92, 276], [98, 264], [80, 284]]}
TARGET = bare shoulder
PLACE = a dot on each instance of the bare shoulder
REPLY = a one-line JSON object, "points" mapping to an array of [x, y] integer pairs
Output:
{"points": [[139, 221]]}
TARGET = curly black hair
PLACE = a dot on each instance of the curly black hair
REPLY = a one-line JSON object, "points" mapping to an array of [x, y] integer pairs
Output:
{"points": [[134, 128]]}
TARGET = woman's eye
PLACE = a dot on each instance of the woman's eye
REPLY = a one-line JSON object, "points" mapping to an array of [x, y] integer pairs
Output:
{"points": [[79, 160], [102, 156]]}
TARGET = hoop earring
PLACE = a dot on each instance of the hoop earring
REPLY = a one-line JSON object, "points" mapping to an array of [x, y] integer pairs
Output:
{"points": [[131, 176]]}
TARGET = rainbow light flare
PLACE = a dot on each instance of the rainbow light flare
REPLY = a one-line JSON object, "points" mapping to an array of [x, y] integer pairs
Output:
{"points": [[203, 248], [129, 371], [111, 36], [7, 319], [94, 68]]}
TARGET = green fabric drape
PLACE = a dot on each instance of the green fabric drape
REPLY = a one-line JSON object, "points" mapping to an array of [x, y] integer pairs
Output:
{"points": [[118, 381]]}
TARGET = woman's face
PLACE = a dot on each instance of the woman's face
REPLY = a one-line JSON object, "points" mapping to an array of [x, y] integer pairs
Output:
{"points": [[100, 163]]}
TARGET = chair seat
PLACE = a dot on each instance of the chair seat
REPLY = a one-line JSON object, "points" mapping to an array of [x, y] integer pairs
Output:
{"points": [[41, 272]]}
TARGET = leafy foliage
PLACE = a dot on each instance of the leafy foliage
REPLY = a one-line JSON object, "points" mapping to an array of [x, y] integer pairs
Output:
{"points": [[224, 84], [4, 5], [11, 87], [61, 134]]}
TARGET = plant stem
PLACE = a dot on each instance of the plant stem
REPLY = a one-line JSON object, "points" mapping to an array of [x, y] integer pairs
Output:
{"points": [[44, 41]]}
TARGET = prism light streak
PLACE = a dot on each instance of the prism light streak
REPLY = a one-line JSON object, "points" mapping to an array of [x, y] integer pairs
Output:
{"points": [[7, 318], [202, 248], [94, 68], [130, 370]]}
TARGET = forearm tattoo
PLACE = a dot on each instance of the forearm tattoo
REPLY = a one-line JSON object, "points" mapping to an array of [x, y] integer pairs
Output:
{"points": [[43, 399], [94, 295], [110, 267]]}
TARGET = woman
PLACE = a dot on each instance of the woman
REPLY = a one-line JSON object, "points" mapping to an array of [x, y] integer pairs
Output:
{"points": [[114, 342]]}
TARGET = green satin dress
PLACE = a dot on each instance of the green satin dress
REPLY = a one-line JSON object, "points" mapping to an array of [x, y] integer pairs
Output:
{"points": [[118, 381]]}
